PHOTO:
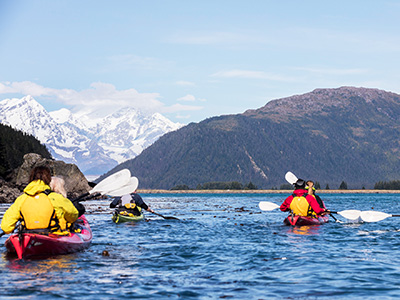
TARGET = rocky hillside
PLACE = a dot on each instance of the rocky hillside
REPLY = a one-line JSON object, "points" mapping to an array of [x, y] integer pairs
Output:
{"points": [[75, 182], [329, 135]]}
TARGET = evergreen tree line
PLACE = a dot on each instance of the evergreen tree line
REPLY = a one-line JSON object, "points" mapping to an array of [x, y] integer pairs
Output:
{"points": [[234, 185], [218, 185], [390, 185], [14, 145]]}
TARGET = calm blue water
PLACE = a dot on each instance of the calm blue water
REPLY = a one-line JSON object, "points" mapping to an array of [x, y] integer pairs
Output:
{"points": [[223, 246]]}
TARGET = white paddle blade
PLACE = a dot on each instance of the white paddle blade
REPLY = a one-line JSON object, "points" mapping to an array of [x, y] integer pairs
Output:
{"points": [[126, 189], [290, 177], [112, 182], [267, 206], [351, 214], [373, 216]]}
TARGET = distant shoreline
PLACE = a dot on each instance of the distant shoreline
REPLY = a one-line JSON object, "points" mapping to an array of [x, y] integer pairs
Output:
{"points": [[155, 191]]}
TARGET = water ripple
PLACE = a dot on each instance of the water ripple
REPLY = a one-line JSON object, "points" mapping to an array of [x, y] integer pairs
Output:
{"points": [[223, 247]]}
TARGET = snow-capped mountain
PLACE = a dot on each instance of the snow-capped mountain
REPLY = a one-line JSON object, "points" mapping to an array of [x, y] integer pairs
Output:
{"points": [[94, 145]]}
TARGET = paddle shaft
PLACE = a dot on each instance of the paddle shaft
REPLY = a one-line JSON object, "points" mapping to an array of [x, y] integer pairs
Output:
{"points": [[167, 218], [86, 196], [333, 218]]}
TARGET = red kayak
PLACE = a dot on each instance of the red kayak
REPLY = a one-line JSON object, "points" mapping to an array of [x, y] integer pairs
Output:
{"points": [[32, 244], [305, 221]]}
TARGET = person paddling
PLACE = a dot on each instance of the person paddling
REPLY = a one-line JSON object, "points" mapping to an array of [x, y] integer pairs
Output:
{"points": [[311, 191], [301, 203], [35, 210], [59, 195], [130, 203]]}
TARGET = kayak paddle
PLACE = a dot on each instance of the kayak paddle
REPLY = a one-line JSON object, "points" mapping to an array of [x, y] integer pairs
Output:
{"points": [[267, 206], [347, 214], [351, 214], [108, 184], [291, 178], [375, 216], [128, 188], [112, 182], [167, 218]]}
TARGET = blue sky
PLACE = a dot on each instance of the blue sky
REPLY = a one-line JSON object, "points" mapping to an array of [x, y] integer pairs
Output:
{"points": [[191, 60]]}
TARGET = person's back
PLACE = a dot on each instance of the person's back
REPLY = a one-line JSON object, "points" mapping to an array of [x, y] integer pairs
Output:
{"points": [[300, 202], [131, 203], [37, 211], [65, 210], [34, 208], [311, 191]]}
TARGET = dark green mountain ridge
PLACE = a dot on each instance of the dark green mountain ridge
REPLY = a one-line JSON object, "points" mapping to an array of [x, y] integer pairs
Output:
{"points": [[328, 135]]}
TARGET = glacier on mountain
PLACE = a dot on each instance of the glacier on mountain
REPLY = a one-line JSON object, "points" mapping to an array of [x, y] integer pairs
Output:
{"points": [[95, 145]]}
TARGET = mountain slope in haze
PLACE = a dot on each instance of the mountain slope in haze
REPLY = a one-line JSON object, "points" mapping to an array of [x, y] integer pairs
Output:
{"points": [[95, 145], [329, 135]]}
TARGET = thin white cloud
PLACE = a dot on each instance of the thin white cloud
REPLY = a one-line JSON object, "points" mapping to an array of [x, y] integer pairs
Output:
{"points": [[24, 87], [322, 39], [188, 98], [182, 116], [180, 107], [305, 39], [328, 71], [251, 75], [103, 98]]}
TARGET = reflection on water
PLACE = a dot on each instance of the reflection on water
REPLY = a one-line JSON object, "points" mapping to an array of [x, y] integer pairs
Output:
{"points": [[39, 265], [30, 277], [305, 230], [222, 246]]}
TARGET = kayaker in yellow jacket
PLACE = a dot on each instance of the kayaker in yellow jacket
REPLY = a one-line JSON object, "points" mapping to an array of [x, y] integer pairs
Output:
{"points": [[35, 209], [65, 209], [311, 191]]}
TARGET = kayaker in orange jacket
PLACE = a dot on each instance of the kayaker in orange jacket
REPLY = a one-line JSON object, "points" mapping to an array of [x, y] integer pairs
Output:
{"points": [[35, 209], [301, 203]]}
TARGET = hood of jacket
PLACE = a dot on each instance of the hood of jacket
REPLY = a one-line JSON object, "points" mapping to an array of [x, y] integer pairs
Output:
{"points": [[300, 192], [35, 187]]}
